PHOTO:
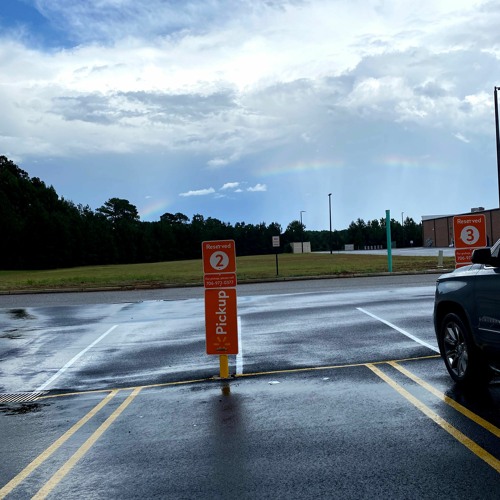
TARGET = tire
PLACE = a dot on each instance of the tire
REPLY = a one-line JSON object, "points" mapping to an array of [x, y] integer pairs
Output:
{"points": [[462, 358]]}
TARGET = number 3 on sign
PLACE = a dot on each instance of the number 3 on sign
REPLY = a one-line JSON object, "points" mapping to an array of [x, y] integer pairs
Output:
{"points": [[219, 260], [470, 235]]}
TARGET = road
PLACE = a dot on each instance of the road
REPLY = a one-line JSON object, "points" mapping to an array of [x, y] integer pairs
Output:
{"points": [[409, 251], [337, 391]]}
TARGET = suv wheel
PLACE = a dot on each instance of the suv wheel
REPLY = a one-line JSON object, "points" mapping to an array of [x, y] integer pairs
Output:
{"points": [[462, 359]]}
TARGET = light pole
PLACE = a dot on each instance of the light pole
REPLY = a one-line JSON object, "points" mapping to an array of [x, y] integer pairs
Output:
{"points": [[301, 231], [497, 139], [402, 230], [330, 212]]}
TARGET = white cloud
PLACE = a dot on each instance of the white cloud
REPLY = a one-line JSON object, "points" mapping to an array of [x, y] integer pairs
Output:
{"points": [[190, 90], [218, 162], [199, 192], [230, 185], [257, 188], [460, 137], [131, 93]]}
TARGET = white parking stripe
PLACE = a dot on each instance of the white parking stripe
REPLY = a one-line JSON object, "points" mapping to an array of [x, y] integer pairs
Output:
{"points": [[239, 356], [400, 330], [72, 361]]}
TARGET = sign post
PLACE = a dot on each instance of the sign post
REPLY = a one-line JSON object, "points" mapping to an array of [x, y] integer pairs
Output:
{"points": [[389, 239], [221, 319], [469, 232]]}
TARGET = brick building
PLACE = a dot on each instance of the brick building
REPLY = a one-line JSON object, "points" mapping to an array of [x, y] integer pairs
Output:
{"points": [[438, 229]]}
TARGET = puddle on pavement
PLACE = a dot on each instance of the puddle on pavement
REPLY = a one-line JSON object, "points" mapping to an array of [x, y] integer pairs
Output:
{"points": [[477, 398], [20, 314], [10, 409], [11, 334]]}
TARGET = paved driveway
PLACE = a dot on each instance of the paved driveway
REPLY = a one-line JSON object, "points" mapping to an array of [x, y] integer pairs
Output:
{"points": [[415, 251]]}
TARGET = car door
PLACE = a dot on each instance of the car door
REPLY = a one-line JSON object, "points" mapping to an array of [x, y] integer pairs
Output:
{"points": [[487, 294]]}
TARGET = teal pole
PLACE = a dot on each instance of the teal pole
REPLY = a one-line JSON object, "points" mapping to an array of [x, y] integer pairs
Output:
{"points": [[389, 239]]}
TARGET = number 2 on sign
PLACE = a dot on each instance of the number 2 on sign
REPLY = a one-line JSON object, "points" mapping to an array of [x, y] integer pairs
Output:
{"points": [[219, 260]]}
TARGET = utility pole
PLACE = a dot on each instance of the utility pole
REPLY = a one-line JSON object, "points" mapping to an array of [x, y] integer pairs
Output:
{"points": [[402, 229], [498, 141], [330, 212], [301, 231]]}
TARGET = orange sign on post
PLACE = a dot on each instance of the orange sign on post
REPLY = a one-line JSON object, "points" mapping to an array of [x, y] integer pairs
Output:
{"points": [[221, 321], [219, 256], [469, 233], [221, 318]]}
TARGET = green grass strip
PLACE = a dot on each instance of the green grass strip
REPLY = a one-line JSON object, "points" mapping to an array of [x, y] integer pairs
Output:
{"points": [[190, 272]]}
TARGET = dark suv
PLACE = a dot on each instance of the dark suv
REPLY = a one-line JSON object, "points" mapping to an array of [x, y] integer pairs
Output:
{"points": [[467, 318]]}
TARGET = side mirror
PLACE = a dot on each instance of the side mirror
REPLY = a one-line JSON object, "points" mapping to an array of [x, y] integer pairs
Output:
{"points": [[483, 256]]}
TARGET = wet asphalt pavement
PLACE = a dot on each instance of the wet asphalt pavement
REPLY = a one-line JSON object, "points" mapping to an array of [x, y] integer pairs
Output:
{"points": [[331, 399]]}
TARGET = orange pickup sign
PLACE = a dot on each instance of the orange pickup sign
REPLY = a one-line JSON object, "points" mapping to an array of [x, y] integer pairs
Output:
{"points": [[221, 316], [221, 321]]}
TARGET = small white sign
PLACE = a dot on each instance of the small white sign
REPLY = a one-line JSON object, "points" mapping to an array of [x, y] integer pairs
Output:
{"points": [[276, 241]]}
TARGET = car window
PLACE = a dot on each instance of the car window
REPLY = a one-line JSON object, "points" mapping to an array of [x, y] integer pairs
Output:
{"points": [[495, 249]]}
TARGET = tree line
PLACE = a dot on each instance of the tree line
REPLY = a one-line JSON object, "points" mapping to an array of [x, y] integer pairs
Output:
{"points": [[41, 230]]}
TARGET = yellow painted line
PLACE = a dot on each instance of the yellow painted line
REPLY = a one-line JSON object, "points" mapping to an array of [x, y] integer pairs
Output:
{"points": [[77, 393], [13, 483], [331, 367], [171, 384], [254, 374], [80, 453], [449, 401], [151, 386], [459, 436], [298, 370]]}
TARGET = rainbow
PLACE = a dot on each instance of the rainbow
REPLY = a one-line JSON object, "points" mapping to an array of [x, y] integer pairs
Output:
{"points": [[153, 209], [406, 162], [298, 167]]}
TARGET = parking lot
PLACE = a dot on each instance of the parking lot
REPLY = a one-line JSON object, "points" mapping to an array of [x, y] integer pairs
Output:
{"points": [[325, 400]]}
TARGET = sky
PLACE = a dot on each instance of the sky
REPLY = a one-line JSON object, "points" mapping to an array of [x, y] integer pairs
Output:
{"points": [[255, 110]]}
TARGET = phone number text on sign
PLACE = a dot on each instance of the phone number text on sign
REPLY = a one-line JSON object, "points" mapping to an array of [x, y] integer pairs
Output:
{"points": [[224, 280]]}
